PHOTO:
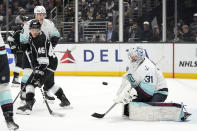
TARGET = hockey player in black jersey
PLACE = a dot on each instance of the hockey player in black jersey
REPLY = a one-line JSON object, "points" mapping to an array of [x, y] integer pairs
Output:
{"points": [[44, 64], [16, 49]]}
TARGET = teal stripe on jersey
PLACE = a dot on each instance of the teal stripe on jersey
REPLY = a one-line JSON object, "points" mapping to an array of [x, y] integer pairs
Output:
{"points": [[138, 104], [57, 34], [148, 88], [3, 52], [162, 92], [25, 78], [5, 97]]}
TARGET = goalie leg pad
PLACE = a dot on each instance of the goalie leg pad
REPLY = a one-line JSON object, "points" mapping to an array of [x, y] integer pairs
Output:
{"points": [[155, 111]]}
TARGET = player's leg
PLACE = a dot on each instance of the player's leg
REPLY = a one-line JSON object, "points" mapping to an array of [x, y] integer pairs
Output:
{"points": [[56, 90], [18, 67], [47, 92], [6, 102], [29, 97], [26, 74]]}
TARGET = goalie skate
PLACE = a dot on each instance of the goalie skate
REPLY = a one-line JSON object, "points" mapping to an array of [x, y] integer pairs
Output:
{"points": [[186, 115]]}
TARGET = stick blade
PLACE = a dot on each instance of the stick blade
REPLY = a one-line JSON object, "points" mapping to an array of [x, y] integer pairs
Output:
{"points": [[97, 115], [57, 114]]}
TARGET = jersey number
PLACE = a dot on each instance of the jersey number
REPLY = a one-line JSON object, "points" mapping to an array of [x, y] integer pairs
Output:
{"points": [[41, 50], [149, 79]]}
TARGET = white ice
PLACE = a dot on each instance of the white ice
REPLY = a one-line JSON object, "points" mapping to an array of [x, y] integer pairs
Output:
{"points": [[87, 95]]}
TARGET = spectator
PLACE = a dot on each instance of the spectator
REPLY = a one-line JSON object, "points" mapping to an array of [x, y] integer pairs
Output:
{"points": [[23, 3], [109, 5], [146, 33], [2, 10], [103, 13], [71, 34], [127, 29], [156, 34], [171, 35], [134, 33], [186, 35], [98, 38], [111, 35], [30, 6], [15, 8], [193, 26], [109, 8], [18, 19], [84, 10], [96, 9]]}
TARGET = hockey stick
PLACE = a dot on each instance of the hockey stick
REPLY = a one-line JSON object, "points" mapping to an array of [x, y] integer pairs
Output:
{"points": [[73, 48], [97, 115], [22, 89], [160, 60], [18, 94], [43, 95]]}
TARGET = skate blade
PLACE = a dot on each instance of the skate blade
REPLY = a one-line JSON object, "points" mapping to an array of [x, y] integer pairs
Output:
{"points": [[13, 129], [67, 107], [27, 112]]}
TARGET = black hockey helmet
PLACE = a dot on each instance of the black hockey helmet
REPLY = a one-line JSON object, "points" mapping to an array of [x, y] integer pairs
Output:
{"points": [[35, 24], [25, 18]]}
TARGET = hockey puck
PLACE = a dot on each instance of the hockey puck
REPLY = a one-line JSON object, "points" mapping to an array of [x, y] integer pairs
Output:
{"points": [[105, 83]]}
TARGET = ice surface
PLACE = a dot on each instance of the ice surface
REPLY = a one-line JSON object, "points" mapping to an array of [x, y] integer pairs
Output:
{"points": [[87, 95]]}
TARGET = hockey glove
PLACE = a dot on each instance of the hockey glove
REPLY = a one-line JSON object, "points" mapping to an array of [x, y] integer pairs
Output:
{"points": [[13, 49], [126, 96], [25, 47], [37, 77], [54, 40]]}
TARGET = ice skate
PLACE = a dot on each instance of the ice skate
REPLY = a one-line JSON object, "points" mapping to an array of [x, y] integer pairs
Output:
{"points": [[26, 109], [48, 96], [15, 82], [64, 101], [12, 126]]}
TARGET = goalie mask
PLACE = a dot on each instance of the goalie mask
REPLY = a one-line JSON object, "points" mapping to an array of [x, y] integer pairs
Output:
{"points": [[136, 53]]}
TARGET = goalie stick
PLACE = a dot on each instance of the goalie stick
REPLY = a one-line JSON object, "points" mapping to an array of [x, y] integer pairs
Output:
{"points": [[97, 115], [43, 95]]}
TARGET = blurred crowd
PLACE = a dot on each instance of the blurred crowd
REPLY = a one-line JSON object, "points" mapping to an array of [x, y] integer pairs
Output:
{"points": [[19, 8], [106, 11]]}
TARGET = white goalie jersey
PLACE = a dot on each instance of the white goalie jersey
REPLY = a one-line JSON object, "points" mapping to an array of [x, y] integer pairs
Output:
{"points": [[47, 27], [147, 77]]}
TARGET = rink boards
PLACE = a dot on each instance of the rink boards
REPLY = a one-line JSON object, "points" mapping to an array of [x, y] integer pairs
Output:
{"points": [[81, 59]]}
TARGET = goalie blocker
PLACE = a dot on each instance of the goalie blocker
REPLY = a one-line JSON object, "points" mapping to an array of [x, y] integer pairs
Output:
{"points": [[157, 111]]}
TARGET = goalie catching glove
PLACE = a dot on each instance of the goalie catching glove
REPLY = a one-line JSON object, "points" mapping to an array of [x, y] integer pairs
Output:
{"points": [[126, 93]]}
